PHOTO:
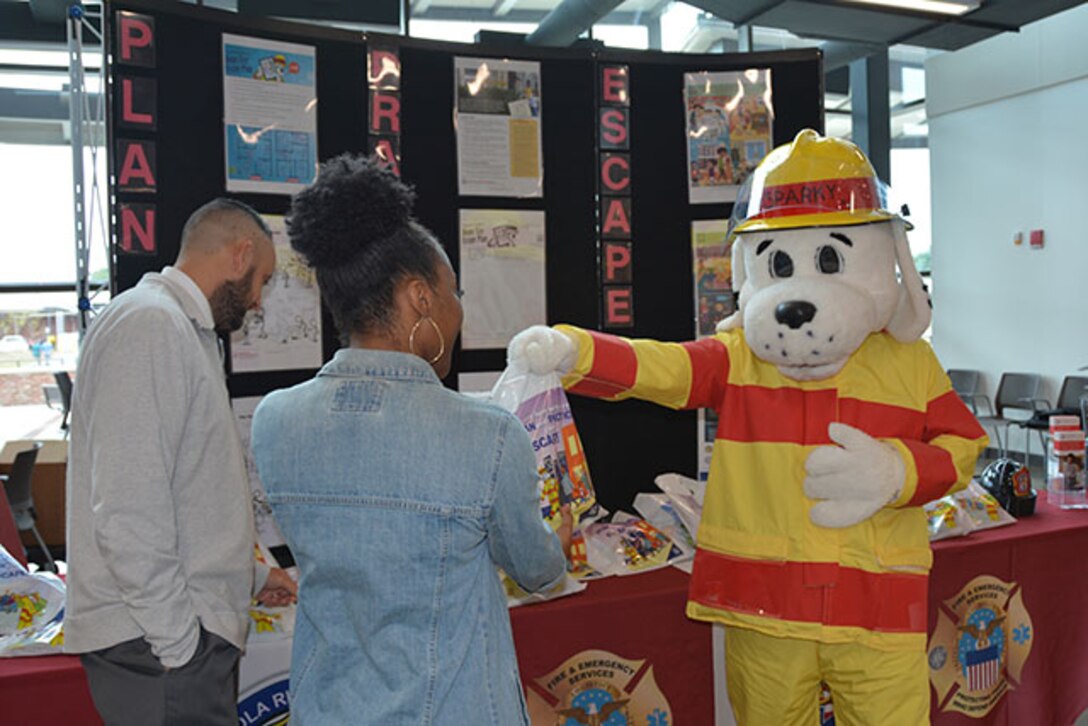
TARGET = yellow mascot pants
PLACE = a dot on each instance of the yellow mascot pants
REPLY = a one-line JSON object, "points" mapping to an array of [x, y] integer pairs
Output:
{"points": [[776, 682]]}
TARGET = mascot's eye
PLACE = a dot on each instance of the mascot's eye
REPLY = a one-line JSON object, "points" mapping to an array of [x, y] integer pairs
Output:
{"points": [[828, 260], [781, 264]]}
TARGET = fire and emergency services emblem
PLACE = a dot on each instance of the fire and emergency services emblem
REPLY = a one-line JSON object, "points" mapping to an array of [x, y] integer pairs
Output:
{"points": [[598, 688], [979, 646]]}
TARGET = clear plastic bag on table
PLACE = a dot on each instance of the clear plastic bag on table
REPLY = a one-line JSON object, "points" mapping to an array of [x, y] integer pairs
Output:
{"points": [[628, 547], [686, 495], [31, 610], [945, 518], [981, 508]]}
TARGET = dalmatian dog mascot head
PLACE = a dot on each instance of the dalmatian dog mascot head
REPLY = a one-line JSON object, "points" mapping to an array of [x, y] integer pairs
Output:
{"points": [[815, 257]]}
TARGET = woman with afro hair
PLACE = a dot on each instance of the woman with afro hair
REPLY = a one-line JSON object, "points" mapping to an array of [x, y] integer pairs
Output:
{"points": [[397, 496]]}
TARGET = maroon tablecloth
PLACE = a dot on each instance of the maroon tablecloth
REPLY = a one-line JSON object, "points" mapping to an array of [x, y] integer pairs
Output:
{"points": [[625, 638], [48, 690], [1040, 565], [646, 650]]}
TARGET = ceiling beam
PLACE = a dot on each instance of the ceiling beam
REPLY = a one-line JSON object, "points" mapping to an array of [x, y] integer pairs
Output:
{"points": [[937, 18], [840, 53], [503, 7], [568, 20], [17, 24]]}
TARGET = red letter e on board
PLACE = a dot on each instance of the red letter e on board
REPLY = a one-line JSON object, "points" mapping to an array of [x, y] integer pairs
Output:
{"points": [[617, 307]]}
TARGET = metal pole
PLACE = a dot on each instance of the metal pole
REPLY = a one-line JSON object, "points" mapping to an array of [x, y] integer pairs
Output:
{"points": [[74, 24], [87, 131], [870, 110]]}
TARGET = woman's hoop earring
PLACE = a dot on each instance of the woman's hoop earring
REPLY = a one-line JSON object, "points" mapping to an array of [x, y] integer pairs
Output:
{"points": [[437, 331]]}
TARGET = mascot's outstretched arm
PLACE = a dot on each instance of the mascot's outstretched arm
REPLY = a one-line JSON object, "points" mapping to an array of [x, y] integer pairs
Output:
{"points": [[676, 375]]}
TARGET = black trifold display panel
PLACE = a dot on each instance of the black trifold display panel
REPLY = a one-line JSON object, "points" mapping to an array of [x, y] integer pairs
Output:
{"points": [[626, 443]]}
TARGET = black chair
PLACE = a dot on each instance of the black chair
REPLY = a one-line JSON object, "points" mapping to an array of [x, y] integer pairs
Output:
{"points": [[1015, 391], [1073, 389], [64, 384], [21, 499], [965, 384]]}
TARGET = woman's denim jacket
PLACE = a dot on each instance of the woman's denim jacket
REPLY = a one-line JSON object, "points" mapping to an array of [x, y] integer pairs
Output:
{"points": [[398, 498]]}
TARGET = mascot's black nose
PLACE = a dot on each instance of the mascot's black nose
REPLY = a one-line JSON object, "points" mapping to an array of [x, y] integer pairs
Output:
{"points": [[794, 313]]}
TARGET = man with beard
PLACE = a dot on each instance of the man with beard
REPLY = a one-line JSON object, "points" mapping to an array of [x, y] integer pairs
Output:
{"points": [[161, 563]]}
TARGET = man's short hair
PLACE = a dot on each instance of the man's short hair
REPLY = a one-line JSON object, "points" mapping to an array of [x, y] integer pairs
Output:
{"points": [[225, 211]]}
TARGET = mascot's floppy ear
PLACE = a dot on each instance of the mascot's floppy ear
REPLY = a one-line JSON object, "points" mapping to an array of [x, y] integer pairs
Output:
{"points": [[913, 312], [740, 281]]}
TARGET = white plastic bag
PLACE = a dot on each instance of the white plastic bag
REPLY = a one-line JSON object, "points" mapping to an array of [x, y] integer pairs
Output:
{"points": [[31, 610], [686, 495]]}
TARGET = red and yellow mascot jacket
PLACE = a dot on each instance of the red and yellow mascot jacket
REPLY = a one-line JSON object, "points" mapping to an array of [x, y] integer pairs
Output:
{"points": [[761, 563]]}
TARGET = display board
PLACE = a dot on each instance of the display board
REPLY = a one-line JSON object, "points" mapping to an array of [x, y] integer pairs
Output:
{"points": [[167, 157]]}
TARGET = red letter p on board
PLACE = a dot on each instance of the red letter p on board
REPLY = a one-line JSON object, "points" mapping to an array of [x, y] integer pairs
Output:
{"points": [[135, 39]]}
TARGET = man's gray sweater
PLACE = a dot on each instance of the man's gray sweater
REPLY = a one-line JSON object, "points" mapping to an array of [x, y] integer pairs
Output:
{"points": [[160, 529]]}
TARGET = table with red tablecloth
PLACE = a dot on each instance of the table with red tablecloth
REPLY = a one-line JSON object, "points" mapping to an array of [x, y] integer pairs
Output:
{"points": [[1036, 571], [47, 690], [624, 638], [628, 639]]}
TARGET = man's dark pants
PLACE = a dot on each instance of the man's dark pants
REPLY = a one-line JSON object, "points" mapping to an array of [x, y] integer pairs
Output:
{"points": [[130, 686]]}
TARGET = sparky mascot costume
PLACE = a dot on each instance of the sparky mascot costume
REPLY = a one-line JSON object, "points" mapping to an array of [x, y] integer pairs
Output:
{"points": [[836, 424]]}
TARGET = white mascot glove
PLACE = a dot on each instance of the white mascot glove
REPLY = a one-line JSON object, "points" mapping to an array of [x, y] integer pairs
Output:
{"points": [[853, 480], [542, 350]]}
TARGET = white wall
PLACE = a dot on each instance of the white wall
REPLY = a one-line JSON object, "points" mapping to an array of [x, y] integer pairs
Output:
{"points": [[1008, 139]]}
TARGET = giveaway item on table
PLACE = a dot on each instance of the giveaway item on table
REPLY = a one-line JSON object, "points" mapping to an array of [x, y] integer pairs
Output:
{"points": [[31, 610], [1009, 482], [658, 510], [628, 547], [1065, 466], [946, 518], [271, 622], [686, 496], [983, 511], [516, 596]]}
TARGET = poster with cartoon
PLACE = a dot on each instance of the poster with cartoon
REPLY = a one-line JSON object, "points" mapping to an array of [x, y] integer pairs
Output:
{"points": [[269, 115], [714, 301], [497, 116], [268, 532], [713, 274], [284, 333], [502, 274], [730, 128]]}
